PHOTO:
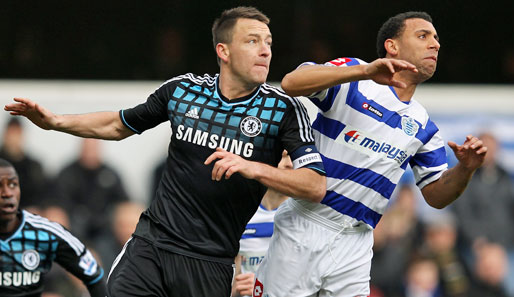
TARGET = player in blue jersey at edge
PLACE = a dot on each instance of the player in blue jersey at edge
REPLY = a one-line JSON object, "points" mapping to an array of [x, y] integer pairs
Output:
{"points": [[229, 132], [29, 244], [367, 130]]}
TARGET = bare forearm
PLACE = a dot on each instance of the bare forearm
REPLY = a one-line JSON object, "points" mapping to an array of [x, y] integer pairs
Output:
{"points": [[313, 78], [102, 125], [300, 183], [449, 187]]}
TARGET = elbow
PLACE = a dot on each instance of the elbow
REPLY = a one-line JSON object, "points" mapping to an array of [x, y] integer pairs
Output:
{"points": [[287, 85], [121, 132], [436, 203], [438, 199], [319, 190]]}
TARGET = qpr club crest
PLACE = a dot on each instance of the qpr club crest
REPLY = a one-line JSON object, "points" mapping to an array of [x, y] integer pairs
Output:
{"points": [[30, 259], [251, 126], [409, 126]]}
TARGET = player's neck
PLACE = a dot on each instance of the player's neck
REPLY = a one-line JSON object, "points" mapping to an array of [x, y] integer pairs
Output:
{"points": [[232, 88], [8, 227], [405, 94]]}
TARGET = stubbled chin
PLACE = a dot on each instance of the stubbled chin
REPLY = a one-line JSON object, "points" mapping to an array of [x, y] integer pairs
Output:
{"points": [[261, 77]]}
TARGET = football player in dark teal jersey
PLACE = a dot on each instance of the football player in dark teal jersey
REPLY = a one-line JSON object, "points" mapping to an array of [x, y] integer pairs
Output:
{"points": [[228, 134], [29, 244]]}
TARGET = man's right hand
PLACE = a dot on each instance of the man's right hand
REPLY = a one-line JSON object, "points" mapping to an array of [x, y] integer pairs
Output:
{"points": [[39, 115], [382, 71], [243, 284]]}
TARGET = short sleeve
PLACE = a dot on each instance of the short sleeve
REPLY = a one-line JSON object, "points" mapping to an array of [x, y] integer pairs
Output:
{"points": [[429, 162], [324, 99], [296, 135], [73, 256], [150, 113]]}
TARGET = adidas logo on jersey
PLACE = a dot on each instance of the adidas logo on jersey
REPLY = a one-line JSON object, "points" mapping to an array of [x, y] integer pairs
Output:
{"points": [[192, 113]]}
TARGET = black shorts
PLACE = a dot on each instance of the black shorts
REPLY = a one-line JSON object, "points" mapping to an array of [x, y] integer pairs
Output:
{"points": [[142, 269]]}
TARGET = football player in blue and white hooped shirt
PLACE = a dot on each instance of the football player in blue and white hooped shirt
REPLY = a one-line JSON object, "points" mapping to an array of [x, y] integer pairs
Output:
{"points": [[368, 130], [29, 244]]}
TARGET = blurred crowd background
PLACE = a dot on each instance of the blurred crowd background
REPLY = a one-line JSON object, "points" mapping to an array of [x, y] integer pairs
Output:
{"points": [[464, 250]]}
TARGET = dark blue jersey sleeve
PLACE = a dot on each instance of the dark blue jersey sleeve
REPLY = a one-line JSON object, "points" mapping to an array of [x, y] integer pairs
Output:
{"points": [[73, 256], [297, 138], [150, 113]]}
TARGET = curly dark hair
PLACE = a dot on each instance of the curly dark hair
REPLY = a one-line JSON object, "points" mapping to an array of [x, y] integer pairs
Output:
{"points": [[394, 26]]}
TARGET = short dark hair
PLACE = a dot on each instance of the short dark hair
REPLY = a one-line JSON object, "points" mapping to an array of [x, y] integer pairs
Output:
{"points": [[222, 27], [14, 121], [394, 26], [4, 163]]}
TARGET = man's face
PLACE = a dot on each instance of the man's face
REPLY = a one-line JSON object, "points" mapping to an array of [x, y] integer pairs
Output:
{"points": [[250, 51], [9, 194], [419, 45]]}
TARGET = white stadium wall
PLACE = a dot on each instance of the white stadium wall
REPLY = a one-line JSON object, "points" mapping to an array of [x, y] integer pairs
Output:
{"points": [[456, 109]]}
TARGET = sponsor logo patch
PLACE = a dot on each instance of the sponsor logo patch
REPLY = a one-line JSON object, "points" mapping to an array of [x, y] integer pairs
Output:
{"points": [[258, 289], [372, 109], [192, 113], [88, 263], [340, 61], [371, 145]]}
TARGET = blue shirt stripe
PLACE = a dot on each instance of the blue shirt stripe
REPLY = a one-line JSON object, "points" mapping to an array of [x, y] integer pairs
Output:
{"points": [[429, 159], [426, 177], [362, 176], [356, 100], [258, 230], [328, 127], [351, 208], [328, 101], [424, 135]]}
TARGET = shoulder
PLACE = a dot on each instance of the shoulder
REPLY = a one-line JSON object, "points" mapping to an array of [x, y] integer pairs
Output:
{"points": [[275, 92], [341, 62], [43, 224], [191, 79], [419, 112]]}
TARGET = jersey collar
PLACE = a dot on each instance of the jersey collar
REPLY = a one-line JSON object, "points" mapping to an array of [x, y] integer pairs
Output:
{"points": [[243, 99]]}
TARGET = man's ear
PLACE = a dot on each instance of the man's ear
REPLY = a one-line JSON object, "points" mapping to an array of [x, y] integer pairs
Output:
{"points": [[222, 52], [391, 47]]}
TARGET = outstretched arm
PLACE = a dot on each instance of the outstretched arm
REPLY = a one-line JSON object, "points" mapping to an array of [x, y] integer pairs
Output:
{"points": [[303, 183], [452, 183], [102, 125], [309, 79]]}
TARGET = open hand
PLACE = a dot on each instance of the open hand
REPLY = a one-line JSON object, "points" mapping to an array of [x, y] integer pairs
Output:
{"points": [[382, 71], [471, 153], [37, 114]]}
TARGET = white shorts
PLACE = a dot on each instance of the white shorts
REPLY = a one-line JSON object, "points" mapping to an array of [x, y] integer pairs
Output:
{"points": [[306, 258]]}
